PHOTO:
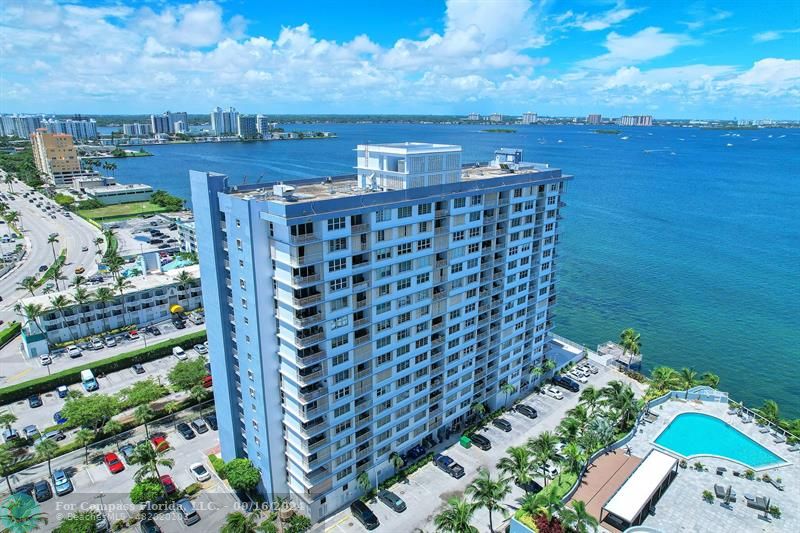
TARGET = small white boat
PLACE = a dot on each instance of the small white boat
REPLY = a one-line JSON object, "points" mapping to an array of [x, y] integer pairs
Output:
{"points": [[625, 138], [559, 141], [729, 144]]}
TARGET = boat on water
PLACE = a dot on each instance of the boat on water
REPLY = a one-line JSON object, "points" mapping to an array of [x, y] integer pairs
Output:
{"points": [[729, 144], [625, 138], [559, 141]]}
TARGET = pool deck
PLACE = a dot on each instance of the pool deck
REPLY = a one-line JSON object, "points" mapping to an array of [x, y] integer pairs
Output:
{"points": [[682, 508]]}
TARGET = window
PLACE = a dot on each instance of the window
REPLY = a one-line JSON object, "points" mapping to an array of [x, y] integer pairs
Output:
{"points": [[423, 244], [424, 209], [423, 278], [341, 358], [337, 244], [341, 393], [476, 200], [404, 212], [383, 308], [404, 249], [403, 284], [339, 411], [341, 340], [339, 303], [423, 227], [337, 264], [336, 223], [340, 322], [458, 236], [474, 216], [384, 215], [380, 235], [338, 284], [239, 244], [459, 202], [383, 253]]}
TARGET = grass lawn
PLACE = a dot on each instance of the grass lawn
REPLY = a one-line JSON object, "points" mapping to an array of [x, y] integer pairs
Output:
{"points": [[120, 211]]}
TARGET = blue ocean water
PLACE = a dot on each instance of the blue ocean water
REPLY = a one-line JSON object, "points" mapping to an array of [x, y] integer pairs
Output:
{"points": [[690, 236]]}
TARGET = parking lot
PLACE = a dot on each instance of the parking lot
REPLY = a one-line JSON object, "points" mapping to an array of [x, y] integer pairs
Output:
{"points": [[428, 489], [134, 235]]}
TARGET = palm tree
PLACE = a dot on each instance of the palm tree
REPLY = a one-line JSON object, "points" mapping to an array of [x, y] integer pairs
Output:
{"points": [[580, 414], [82, 297], [548, 365], [620, 398], [545, 503], [78, 281], [29, 284], [590, 396], [239, 522], [396, 461], [32, 312], [121, 285], [663, 378], [568, 429], [630, 342], [149, 461], [113, 168], [12, 217], [364, 482], [769, 410], [517, 465], [456, 517], [144, 414], [6, 419], [98, 242], [537, 372], [57, 269], [573, 458], [52, 240], [710, 379], [22, 514], [85, 437], [687, 379], [114, 262], [9, 179], [479, 409], [7, 462], [60, 303], [508, 389], [599, 432], [488, 493], [577, 518], [185, 282], [104, 295], [543, 449], [46, 449]]}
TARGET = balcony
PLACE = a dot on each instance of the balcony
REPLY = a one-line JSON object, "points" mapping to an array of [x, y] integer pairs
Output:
{"points": [[307, 300], [310, 377], [307, 320], [305, 237], [310, 359], [301, 280], [312, 395], [441, 213], [359, 228], [360, 322], [309, 259], [309, 340]]}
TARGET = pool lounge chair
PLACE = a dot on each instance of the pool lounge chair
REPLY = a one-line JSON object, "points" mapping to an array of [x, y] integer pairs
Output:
{"points": [[733, 411], [779, 439], [721, 470], [764, 429], [747, 420], [759, 503], [719, 490], [795, 448], [774, 483]]}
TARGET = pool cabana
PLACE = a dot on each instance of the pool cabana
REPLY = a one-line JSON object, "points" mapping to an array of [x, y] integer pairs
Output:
{"points": [[629, 505]]}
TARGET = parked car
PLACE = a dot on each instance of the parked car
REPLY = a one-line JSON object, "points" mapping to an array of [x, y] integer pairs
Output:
{"points": [[188, 513], [43, 268], [578, 377], [392, 501], [137, 368], [502, 424], [185, 431], [481, 442], [45, 359], [178, 323], [199, 472], [567, 383], [55, 434], [84, 248], [211, 420], [58, 418], [80, 270], [199, 426], [169, 485], [110, 341], [73, 351], [552, 392], [62, 391], [35, 401], [364, 514], [133, 335], [178, 352], [414, 453], [113, 463], [148, 525], [160, 443], [526, 410], [101, 524], [448, 465], [61, 482], [201, 349], [127, 451], [30, 431], [207, 381], [97, 344], [42, 491], [153, 330]]}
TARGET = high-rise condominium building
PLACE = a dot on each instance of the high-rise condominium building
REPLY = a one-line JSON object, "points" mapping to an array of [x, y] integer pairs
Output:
{"points": [[225, 122], [496, 117], [167, 122], [262, 125], [474, 116], [136, 130], [81, 129], [529, 118], [246, 126], [594, 119], [352, 318], [20, 125], [56, 158], [636, 120]]}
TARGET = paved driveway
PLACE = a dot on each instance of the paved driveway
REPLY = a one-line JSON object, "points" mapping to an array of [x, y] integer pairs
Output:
{"points": [[428, 489]]}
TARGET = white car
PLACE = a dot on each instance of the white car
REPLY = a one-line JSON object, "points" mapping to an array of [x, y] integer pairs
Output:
{"points": [[578, 377], [74, 351], [45, 359], [552, 392], [200, 472], [178, 352]]}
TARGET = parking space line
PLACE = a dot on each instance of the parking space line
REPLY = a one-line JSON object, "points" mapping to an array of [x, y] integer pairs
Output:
{"points": [[344, 519]]}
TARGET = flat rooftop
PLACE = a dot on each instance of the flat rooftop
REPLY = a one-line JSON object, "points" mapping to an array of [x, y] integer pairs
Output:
{"points": [[409, 147], [110, 189]]}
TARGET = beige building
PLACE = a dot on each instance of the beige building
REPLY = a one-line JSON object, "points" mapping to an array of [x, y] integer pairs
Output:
{"points": [[56, 157]]}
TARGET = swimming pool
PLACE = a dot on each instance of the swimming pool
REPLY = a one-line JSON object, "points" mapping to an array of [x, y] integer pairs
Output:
{"points": [[695, 434]]}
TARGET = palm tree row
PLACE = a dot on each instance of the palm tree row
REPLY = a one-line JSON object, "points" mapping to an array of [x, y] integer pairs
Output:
{"points": [[664, 379]]}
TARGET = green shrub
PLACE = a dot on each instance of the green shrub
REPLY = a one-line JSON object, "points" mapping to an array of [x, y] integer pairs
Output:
{"points": [[218, 465], [20, 391], [775, 511], [192, 489], [708, 496], [10, 332]]}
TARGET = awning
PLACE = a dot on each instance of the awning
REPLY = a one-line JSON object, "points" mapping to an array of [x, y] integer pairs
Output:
{"points": [[175, 309], [627, 503]]}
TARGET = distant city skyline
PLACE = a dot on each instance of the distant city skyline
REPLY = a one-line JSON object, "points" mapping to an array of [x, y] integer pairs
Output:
{"points": [[450, 58]]}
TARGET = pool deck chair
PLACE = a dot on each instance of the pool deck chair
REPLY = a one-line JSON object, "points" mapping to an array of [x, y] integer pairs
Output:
{"points": [[719, 490], [759, 503], [795, 448], [779, 439], [764, 429], [721, 470], [747, 420]]}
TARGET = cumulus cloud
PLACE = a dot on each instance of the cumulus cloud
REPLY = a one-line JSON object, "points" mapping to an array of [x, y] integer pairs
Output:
{"points": [[596, 22], [642, 46]]}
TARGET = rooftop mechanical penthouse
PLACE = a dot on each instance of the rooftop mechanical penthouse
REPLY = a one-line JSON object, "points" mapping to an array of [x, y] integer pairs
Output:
{"points": [[356, 317]]}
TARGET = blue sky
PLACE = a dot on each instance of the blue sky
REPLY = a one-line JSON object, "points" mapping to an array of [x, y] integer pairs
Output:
{"points": [[670, 59]]}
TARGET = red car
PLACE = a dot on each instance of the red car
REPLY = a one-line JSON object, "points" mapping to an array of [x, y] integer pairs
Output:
{"points": [[113, 463], [207, 382], [160, 444], [169, 486]]}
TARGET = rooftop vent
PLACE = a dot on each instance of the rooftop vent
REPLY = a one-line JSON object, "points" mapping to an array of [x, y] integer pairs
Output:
{"points": [[283, 191]]}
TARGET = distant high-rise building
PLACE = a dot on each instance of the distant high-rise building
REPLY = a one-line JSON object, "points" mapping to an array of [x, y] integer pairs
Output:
{"points": [[262, 125], [529, 118], [160, 124], [246, 126], [136, 130], [56, 158], [636, 120], [352, 320], [20, 125], [474, 116], [180, 122], [81, 129], [594, 119], [225, 122], [495, 117]]}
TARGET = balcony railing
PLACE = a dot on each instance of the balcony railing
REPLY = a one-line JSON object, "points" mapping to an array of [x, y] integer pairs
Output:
{"points": [[308, 300], [304, 321], [313, 395], [312, 358], [309, 340], [299, 280], [305, 237], [359, 228]]}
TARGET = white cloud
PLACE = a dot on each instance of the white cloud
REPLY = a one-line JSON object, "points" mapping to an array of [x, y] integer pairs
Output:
{"points": [[596, 22], [642, 46], [773, 35]]}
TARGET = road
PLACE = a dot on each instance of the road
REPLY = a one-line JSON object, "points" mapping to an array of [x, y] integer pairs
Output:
{"points": [[16, 367], [74, 235], [96, 487]]}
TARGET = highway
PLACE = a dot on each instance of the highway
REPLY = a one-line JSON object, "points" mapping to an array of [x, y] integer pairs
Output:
{"points": [[74, 235]]}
